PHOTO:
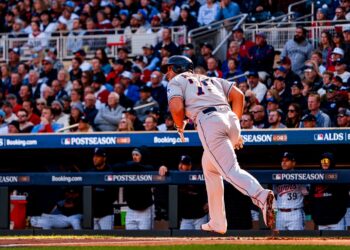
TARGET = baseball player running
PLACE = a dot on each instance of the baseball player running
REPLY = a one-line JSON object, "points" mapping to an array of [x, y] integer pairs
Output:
{"points": [[206, 101]]}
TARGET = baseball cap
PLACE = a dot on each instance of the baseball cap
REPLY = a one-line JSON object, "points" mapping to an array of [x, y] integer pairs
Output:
{"points": [[137, 16], [332, 87], [136, 151], [208, 45], [280, 78], [346, 28], [272, 99], [58, 103], [100, 152], [308, 118], [130, 111], [48, 59], [147, 46], [261, 34], [15, 124], [185, 7], [166, 47], [282, 69], [126, 74], [123, 49], [145, 88], [141, 58], [337, 79], [69, 4], [15, 50], [185, 159], [253, 73], [188, 46], [83, 118], [124, 12], [338, 51], [11, 96], [136, 69], [154, 110], [78, 106], [297, 84], [80, 52], [286, 60], [156, 18], [289, 156], [323, 11], [344, 112], [339, 60], [238, 29]]}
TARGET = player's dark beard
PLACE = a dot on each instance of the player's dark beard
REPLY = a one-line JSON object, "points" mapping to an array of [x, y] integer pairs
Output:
{"points": [[299, 39]]}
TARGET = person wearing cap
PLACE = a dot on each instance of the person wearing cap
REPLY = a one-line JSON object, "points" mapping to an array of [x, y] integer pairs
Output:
{"points": [[193, 204], [47, 25], [207, 12], [108, 117], [135, 26], [84, 65], [123, 54], [261, 56], [67, 213], [125, 101], [13, 127], [148, 9], [104, 196], [186, 18], [289, 199], [48, 73], [145, 99], [118, 67], [275, 119], [298, 50], [343, 117], [17, 30], [158, 90], [206, 51], [328, 203], [59, 116], [131, 90], [258, 88], [314, 103], [312, 76], [346, 34], [139, 198], [13, 100], [9, 114], [130, 114], [308, 121], [167, 39], [279, 84], [152, 58], [297, 95], [68, 15], [341, 69], [289, 74], [188, 50], [14, 58], [155, 27], [244, 44]]}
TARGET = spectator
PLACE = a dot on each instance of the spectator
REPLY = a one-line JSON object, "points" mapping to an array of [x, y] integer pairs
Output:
{"points": [[186, 18], [244, 45], [74, 39], [316, 57], [343, 118], [289, 199], [84, 126], [139, 215], [125, 125], [145, 98], [3, 124], [275, 118], [159, 92], [58, 91], [67, 213], [105, 66], [212, 66], [194, 6], [68, 16], [47, 25], [288, 74], [84, 65], [125, 101], [293, 116], [193, 205], [312, 77], [346, 33], [326, 46], [12, 99], [168, 124], [59, 116], [123, 54], [37, 41], [297, 96], [152, 58], [135, 26], [227, 9], [328, 197], [131, 90], [9, 114], [76, 113], [258, 88], [108, 117], [339, 15], [90, 110], [47, 124], [298, 49], [340, 69], [205, 54], [261, 55], [32, 117], [48, 73], [130, 114], [15, 84], [207, 13], [168, 40], [13, 127], [100, 91], [308, 121], [156, 27], [75, 69], [5, 79], [14, 58], [150, 123], [24, 126], [260, 117], [284, 94], [327, 77], [322, 119], [247, 121]]}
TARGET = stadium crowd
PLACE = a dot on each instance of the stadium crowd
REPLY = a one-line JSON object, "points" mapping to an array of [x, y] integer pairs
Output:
{"points": [[307, 87]]}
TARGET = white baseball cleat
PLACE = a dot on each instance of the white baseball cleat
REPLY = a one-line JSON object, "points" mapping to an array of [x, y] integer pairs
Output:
{"points": [[206, 227], [268, 211]]}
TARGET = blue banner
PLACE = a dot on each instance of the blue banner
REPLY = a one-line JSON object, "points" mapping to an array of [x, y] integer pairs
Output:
{"points": [[166, 139], [174, 177]]}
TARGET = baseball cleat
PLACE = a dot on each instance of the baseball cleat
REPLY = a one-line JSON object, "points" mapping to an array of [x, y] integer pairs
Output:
{"points": [[206, 227], [268, 211]]}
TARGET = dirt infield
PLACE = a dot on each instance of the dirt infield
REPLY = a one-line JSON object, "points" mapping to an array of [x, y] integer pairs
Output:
{"points": [[42, 241]]}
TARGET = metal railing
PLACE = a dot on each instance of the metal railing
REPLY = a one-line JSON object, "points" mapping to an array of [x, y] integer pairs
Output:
{"points": [[66, 44]]}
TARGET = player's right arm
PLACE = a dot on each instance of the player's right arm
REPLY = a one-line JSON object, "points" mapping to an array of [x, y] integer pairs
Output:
{"points": [[176, 103], [236, 97]]}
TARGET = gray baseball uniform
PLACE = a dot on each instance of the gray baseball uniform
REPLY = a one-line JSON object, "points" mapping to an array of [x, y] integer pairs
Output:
{"points": [[206, 103], [289, 203]]}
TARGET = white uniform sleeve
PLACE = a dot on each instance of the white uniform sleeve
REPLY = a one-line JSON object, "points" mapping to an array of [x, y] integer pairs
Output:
{"points": [[174, 89], [226, 86]]}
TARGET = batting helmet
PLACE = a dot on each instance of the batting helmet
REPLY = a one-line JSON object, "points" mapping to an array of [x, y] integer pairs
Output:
{"points": [[180, 64]]}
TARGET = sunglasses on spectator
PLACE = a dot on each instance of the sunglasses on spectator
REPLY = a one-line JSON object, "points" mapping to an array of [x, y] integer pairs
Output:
{"points": [[291, 110], [258, 111], [40, 103]]}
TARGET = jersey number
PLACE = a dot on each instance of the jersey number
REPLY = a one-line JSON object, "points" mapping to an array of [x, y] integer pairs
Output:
{"points": [[292, 196], [199, 84]]}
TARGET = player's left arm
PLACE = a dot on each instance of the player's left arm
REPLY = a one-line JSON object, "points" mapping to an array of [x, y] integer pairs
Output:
{"points": [[236, 97]]}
